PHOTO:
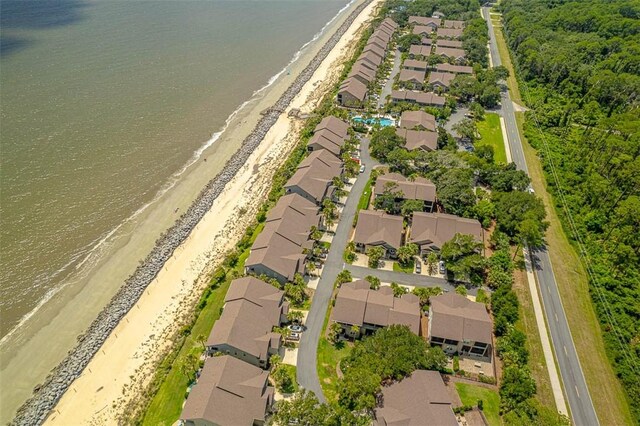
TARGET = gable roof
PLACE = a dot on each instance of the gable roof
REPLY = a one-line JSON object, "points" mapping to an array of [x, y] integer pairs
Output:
{"points": [[420, 399], [450, 52], [449, 32], [412, 75], [419, 139], [423, 98], [453, 24], [375, 49], [411, 119], [422, 20], [334, 125], [455, 317], [371, 57], [412, 63], [390, 23], [449, 43], [357, 304], [315, 173], [377, 227], [259, 293], [246, 326], [435, 229], [416, 49], [279, 255], [354, 87], [229, 391], [419, 189], [291, 223], [443, 78], [458, 69], [422, 29], [362, 73]]}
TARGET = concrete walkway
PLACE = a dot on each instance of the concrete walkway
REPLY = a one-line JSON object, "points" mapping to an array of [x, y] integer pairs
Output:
{"points": [[307, 373]]}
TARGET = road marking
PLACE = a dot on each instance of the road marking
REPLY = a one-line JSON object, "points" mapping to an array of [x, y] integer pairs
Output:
{"points": [[577, 393], [555, 315], [565, 350]]}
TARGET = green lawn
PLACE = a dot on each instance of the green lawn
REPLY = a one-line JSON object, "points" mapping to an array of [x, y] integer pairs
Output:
{"points": [[363, 204], [291, 372], [166, 405], [328, 357], [470, 394], [491, 134], [397, 267]]}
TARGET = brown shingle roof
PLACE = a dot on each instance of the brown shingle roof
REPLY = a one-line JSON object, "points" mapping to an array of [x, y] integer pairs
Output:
{"points": [[376, 227], [443, 78], [457, 69], [420, 399], [453, 24], [334, 125], [278, 254], [259, 293], [416, 49], [229, 392], [422, 20], [357, 304], [435, 229], [450, 52], [371, 57], [412, 63], [411, 119], [455, 317], [315, 174], [246, 326], [412, 75], [389, 22], [422, 98], [354, 87], [449, 43], [421, 29], [293, 223], [419, 139], [449, 33], [419, 189], [426, 41], [375, 49], [362, 72]]}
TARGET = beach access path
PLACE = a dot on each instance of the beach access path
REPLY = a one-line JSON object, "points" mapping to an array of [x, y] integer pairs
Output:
{"points": [[307, 372], [119, 371]]}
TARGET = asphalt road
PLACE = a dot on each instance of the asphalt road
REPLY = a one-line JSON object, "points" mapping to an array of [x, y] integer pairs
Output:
{"points": [[388, 86], [406, 279], [307, 373], [575, 387]]}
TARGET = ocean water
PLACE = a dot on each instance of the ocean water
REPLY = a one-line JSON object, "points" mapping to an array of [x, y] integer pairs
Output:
{"points": [[104, 103]]}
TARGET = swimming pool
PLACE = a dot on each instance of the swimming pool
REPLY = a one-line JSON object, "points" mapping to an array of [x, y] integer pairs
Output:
{"points": [[383, 121]]}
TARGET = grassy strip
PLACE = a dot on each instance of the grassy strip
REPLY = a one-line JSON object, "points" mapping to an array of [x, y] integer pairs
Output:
{"points": [[528, 325], [605, 389], [329, 356], [363, 204], [470, 394], [491, 134], [397, 267]]}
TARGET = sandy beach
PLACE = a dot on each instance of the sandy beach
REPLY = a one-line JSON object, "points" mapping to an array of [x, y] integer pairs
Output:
{"points": [[123, 365]]}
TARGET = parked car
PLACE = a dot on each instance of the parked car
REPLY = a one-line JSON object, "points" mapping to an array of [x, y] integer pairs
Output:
{"points": [[294, 336], [441, 267], [418, 268], [362, 168], [296, 328]]}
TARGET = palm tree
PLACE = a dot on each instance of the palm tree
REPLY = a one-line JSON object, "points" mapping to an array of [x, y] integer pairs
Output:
{"points": [[355, 330], [202, 339]]}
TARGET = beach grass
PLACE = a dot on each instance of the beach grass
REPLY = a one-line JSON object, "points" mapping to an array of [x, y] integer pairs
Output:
{"points": [[470, 394], [609, 399], [491, 135]]}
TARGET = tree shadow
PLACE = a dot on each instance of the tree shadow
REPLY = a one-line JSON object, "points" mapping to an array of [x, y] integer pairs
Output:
{"points": [[34, 15]]}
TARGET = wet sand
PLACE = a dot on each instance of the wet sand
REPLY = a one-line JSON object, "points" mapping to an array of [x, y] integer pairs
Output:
{"points": [[130, 348]]}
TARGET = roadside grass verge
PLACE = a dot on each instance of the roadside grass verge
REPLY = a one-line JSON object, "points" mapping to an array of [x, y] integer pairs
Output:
{"points": [[609, 399], [527, 324], [397, 267], [329, 355], [470, 394], [363, 204], [491, 135]]}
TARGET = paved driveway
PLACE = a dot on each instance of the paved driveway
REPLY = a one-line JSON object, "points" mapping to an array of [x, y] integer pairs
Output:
{"points": [[307, 373]]}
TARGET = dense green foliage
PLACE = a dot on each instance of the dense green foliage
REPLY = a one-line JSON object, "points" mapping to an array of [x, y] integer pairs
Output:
{"points": [[392, 353], [580, 61]]}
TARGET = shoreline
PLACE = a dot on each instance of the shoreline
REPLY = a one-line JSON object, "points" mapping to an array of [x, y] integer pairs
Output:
{"points": [[167, 251]]}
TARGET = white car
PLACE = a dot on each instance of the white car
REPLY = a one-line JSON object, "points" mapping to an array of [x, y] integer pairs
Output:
{"points": [[362, 168], [296, 328]]}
